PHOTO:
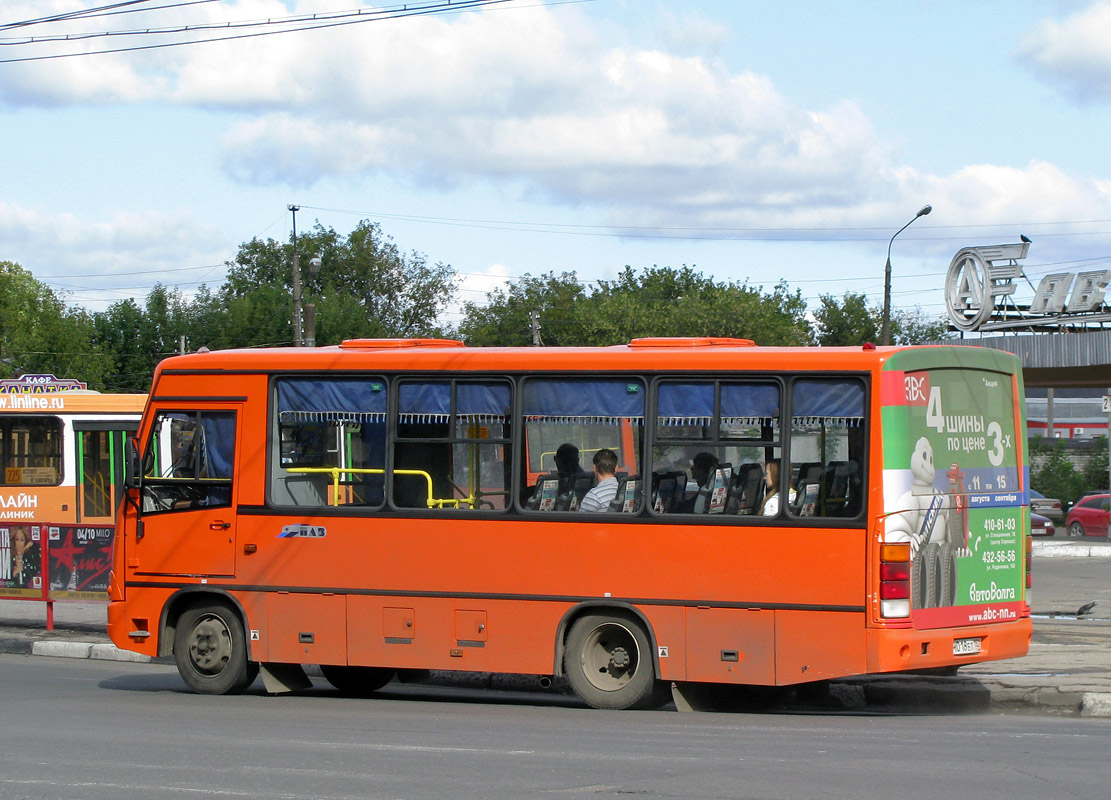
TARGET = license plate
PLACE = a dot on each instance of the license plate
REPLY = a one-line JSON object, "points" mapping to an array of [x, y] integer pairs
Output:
{"points": [[966, 647]]}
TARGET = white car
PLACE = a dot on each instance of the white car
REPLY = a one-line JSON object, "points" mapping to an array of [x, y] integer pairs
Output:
{"points": [[1046, 506]]}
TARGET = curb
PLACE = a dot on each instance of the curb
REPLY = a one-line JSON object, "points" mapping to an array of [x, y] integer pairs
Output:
{"points": [[1053, 549], [99, 652], [1096, 704]]}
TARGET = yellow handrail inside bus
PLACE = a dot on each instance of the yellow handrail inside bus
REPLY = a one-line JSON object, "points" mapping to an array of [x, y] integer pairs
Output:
{"points": [[335, 472]]}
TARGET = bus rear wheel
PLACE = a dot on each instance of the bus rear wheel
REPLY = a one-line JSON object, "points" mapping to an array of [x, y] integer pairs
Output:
{"points": [[356, 681], [609, 662], [211, 651]]}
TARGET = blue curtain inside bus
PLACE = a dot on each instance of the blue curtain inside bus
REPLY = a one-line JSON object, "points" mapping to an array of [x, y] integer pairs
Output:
{"points": [[822, 399], [332, 400], [613, 398]]}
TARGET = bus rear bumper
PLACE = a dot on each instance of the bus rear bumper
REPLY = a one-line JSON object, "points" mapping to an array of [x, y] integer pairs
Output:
{"points": [[899, 650]]}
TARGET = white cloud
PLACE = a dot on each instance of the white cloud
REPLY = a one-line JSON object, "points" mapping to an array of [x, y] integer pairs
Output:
{"points": [[1075, 52], [473, 287], [537, 98], [119, 258]]}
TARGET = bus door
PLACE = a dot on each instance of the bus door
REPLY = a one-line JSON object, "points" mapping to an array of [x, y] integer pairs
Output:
{"points": [[100, 468], [187, 524]]}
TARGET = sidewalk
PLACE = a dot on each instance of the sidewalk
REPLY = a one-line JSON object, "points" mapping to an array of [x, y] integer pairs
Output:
{"points": [[1066, 671]]}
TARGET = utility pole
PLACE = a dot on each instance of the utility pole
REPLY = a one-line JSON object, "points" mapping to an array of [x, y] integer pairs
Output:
{"points": [[297, 340], [534, 324]]}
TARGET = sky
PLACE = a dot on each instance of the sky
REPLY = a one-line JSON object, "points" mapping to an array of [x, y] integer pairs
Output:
{"points": [[758, 142]]}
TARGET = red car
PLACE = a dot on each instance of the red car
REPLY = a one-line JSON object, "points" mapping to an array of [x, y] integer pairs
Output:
{"points": [[1041, 526], [1089, 516]]}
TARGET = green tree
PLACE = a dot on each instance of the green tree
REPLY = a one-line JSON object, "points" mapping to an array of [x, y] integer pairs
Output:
{"points": [[916, 327], [850, 321], [658, 301], [846, 322], [39, 334], [1095, 468], [504, 319], [1057, 477], [665, 301], [365, 287]]}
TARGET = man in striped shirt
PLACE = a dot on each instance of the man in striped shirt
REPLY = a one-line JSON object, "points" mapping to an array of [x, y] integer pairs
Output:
{"points": [[605, 471]]}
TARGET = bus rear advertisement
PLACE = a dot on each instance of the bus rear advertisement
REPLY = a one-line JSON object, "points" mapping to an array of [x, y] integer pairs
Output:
{"points": [[662, 515]]}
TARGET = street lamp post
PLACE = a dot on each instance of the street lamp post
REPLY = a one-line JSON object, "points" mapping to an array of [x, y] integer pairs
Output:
{"points": [[887, 276]]}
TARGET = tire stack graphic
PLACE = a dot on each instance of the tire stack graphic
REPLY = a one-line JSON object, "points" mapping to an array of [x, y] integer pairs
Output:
{"points": [[934, 576]]}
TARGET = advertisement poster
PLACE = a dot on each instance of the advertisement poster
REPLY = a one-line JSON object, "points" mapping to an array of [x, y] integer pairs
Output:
{"points": [[21, 561], [80, 557], [952, 484]]}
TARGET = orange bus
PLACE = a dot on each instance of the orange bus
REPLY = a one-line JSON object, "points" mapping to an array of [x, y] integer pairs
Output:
{"points": [[775, 516], [62, 451]]}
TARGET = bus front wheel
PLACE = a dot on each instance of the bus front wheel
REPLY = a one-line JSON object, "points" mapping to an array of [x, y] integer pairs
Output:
{"points": [[609, 663], [211, 651]]}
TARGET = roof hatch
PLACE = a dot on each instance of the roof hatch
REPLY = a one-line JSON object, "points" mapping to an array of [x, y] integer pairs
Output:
{"points": [[691, 341], [397, 344]]}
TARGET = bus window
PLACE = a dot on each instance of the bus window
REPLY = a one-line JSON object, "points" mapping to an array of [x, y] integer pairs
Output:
{"points": [[712, 440], [100, 447], [189, 459], [451, 445], [332, 442], [31, 450], [581, 416], [827, 448]]}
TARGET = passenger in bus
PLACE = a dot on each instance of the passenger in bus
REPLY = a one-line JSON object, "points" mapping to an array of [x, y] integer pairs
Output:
{"points": [[605, 471], [567, 462], [703, 467], [771, 499]]}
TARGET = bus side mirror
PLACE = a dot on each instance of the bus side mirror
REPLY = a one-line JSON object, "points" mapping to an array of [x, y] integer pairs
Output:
{"points": [[134, 466]]}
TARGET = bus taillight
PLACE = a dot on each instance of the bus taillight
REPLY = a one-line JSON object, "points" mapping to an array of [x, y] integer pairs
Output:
{"points": [[895, 580]]}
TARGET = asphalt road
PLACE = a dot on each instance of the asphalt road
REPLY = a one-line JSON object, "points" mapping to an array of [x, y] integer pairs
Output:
{"points": [[93, 730], [1065, 585]]}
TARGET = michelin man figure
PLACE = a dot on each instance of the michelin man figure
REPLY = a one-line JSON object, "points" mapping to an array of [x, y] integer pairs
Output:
{"points": [[923, 514]]}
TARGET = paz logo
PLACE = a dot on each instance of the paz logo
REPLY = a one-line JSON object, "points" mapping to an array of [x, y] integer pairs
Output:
{"points": [[303, 532]]}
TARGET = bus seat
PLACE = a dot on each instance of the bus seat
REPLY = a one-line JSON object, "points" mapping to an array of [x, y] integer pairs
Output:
{"points": [[583, 484], [711, 497], [807, 487], [746, 490], [555, 492], [842, 489], [627, 499], [546, 493], [666, 486]]}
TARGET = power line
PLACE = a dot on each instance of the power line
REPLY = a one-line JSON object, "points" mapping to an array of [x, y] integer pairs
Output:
{"points": [[71, 15], [695, 233], [286, 25]]}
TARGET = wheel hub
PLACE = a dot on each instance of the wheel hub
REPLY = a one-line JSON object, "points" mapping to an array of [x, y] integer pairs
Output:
{"points": [[610, 657], [210, 645]]}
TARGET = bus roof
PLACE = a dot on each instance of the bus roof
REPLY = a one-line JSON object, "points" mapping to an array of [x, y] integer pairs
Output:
{"points": [[71, 403], [679, 354]]}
